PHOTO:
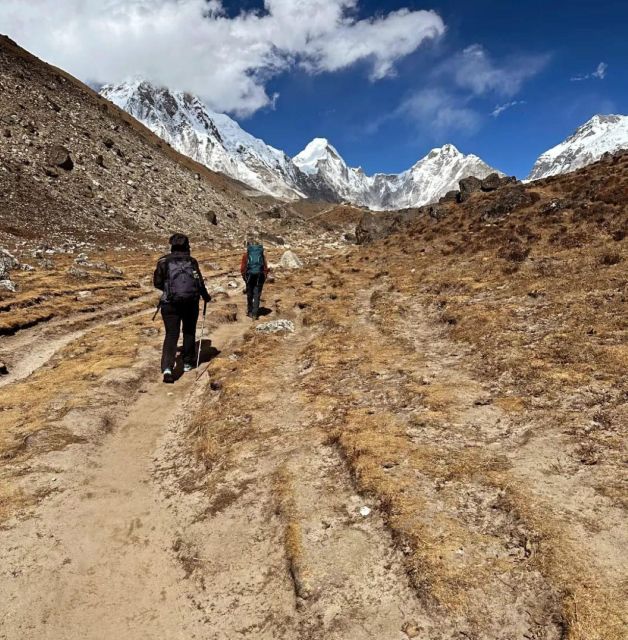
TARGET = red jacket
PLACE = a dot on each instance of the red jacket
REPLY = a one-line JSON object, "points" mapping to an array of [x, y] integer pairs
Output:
{"points": [[244, 262]]}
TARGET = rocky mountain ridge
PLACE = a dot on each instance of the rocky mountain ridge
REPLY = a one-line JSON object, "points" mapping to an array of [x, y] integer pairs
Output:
{"points": [[599, 135], [318, 172]]}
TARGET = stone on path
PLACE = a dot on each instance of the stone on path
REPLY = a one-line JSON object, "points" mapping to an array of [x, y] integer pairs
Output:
{"points": [[275, 326], [290, 260]]}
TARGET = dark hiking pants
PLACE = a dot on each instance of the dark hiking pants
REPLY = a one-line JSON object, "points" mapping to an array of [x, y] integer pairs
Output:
{"points": [[254, 285], [175, 315]]}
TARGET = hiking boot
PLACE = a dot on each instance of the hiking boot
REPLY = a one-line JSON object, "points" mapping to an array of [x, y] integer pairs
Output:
{"points": [[187, 368], [249, 314], [168, 376]]}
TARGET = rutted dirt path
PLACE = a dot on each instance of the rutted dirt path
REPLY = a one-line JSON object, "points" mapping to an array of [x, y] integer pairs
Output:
{"points": [[97, 559], [140, 543], [31, 348]]}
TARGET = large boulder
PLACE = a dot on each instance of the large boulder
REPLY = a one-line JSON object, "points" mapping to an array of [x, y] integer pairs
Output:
{"points": [[8, 285], [450, 196], [491, 182], [59, 156], [468, 186], [290, 260], [7, 262]]}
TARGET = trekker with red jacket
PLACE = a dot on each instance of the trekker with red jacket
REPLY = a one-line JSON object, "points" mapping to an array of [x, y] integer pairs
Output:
{"points": [[179, 277], [254, 270]]}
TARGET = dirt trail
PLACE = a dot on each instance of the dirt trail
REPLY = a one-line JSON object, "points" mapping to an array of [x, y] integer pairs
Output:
{"points": [[132, 548], [96, 561], [31, 348]]}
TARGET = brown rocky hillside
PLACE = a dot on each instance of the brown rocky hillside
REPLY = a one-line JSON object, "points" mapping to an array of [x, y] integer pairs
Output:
{"points": [[75, 167]]}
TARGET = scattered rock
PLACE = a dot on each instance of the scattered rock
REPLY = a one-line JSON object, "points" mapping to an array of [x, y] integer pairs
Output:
{"points": [[272, 213], [4, 370], [75, 272], [365, 511], [290, 260], [491, 182], [219, 293], [7, 262], [211, 216], [411, 630], [272, 238], [276, 326], [450, 196], [467, 187], [8, 285], [59, 156]]}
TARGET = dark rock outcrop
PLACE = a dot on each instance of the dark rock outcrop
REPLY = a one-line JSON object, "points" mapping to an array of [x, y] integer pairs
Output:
{"points": [[491, 182], [451, 196], [468, 186], [374, 226], [505, 201]]}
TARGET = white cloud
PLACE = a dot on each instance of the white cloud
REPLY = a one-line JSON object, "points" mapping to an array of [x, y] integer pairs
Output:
{"points": [[473, 69], [449, 101], [598, 74], [194, 45], [500, 108], [439, 112]]}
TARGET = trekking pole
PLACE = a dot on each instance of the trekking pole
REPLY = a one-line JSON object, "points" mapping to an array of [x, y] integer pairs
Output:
{"points": [[156, 311], [200, 343]]}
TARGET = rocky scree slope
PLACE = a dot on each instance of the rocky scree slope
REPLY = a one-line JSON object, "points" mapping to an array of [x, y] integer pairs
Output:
{"points": [[601, 134], [74, 166], [317, 172]]}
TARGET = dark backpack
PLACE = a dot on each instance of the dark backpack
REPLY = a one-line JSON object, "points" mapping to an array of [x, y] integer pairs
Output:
{"points": [[255, 259], [183, 281]]}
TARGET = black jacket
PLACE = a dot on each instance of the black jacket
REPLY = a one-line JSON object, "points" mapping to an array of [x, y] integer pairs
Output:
{"points": [[161, 272]]}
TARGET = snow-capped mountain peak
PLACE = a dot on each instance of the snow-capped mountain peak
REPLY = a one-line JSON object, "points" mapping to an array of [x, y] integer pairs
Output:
{"points": [[213, 139], [315, 151], [587, 144], [426, 181], [319, 171]]}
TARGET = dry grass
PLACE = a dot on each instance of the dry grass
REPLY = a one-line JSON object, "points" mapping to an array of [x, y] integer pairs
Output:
{"points": [[33, 410]]}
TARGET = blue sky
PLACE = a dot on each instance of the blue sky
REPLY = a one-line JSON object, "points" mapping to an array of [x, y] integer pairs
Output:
{"points": [[383, 81], [571, 37]]}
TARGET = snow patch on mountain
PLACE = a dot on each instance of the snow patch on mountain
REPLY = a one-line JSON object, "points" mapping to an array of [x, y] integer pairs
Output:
{"points": [[587, 144]]}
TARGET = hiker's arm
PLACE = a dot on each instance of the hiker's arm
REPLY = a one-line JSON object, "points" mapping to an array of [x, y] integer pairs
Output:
{"points": [[266, 267], [204, 293], [243, 265], [159, 277]]}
